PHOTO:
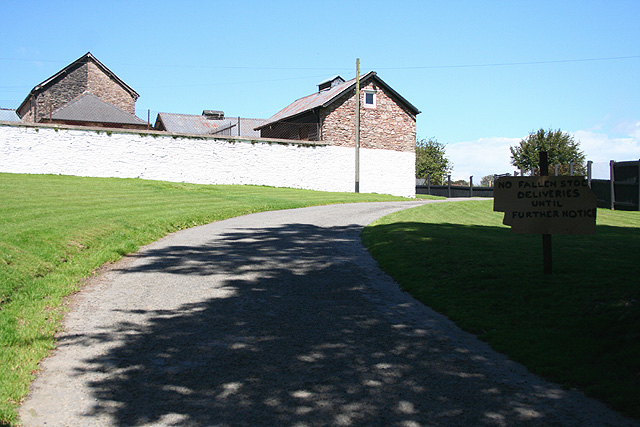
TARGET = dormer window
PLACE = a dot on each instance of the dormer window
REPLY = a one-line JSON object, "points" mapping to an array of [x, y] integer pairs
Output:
{"points": [[369, 98]]}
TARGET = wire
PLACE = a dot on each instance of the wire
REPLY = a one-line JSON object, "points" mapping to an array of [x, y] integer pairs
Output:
{"points": [[214, 67], [423, 67], [236, 83], [503, 64], [416, 67]]}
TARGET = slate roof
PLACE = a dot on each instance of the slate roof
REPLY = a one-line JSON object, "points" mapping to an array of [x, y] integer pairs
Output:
{"points": [[7, 115], [89, 108], [200, 125], [248, 126], [325, 97]]}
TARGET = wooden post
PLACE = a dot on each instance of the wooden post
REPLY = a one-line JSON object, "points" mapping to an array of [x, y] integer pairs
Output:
{"points": [[613, 187], [357, 125], [471, 186], [546, 238]]}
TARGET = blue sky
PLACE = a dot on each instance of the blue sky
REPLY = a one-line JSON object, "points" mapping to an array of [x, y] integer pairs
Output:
{"points": [[483, 73]]}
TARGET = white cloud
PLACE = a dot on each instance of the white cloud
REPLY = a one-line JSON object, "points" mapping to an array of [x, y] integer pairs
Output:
{"points": [[600, 148], [482, 157], [491, 155], [631, 129]]}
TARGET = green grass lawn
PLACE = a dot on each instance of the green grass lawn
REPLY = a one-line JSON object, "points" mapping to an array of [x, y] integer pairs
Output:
{"points": [[579, 327], [428, 197], [57, 230]]}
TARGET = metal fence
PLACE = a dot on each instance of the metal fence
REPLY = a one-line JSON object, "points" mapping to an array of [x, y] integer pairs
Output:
{"points": [[84, 110], [424, 186], [622, 190], [454, 191], [449, 190], [304, 131], [8, 111]]}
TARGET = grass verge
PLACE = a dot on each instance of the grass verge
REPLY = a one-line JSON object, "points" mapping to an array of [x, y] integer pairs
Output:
{"points": [[428, 197], [579, 327], [57, 230]]}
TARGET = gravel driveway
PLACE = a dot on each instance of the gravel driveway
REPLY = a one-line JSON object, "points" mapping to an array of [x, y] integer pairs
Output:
{"points": [[279, 319]]}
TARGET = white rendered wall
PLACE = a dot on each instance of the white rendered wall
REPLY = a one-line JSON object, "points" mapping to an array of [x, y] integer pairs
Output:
{"points": [[45, 150]]}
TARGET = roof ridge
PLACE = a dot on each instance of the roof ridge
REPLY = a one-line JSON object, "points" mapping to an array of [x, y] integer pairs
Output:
{"points": [[324, 98]]}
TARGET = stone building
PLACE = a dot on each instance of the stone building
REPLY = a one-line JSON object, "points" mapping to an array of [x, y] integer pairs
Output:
{"points": [[84, 93], [387, 120]]}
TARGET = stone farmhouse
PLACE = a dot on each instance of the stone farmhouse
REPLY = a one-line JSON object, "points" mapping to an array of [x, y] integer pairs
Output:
{"points": [[87, 93], [307, 144], [84, 93], [387, 120]]}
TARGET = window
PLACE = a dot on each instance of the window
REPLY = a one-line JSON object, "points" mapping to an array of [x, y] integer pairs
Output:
{"points": [[369, 98]]}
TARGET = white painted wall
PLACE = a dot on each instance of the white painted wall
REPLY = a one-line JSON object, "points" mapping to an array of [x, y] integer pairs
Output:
{"points": [[45, 150]]}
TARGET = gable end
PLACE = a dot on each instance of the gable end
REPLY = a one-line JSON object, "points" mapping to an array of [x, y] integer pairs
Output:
{"points": [[84, 75]]}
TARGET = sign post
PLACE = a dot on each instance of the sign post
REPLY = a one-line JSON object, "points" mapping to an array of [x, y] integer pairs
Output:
{"points": [[547, 259], [546, 205]]}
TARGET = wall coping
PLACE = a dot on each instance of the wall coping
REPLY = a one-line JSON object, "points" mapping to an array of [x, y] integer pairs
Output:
{"points": [[156, 133]]}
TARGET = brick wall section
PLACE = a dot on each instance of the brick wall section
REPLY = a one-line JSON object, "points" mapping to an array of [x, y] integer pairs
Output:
{"points": [[87, 77], [105, 88], [388, 126]]}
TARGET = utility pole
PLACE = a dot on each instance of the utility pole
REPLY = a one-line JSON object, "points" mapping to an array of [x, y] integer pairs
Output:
{"points": [[357, 125]]}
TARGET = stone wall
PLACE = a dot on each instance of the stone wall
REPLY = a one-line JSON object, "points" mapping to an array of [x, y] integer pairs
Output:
{"points": [[388, 126], [105, 88], [60, 93], [205, 160]]}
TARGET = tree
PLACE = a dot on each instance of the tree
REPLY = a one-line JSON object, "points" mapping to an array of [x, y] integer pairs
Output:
{"points": [[561, 149], [487, 181], [431, 160]]}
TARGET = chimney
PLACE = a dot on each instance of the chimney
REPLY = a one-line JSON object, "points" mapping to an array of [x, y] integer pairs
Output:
{"points": [[213, 114], [329, 83]]}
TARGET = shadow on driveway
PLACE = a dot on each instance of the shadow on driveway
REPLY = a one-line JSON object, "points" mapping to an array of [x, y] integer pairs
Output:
{"points": [[292, 339]]}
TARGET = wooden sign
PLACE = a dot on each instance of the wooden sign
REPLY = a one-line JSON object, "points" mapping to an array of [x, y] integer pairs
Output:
{"points": [[546, 204]]}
